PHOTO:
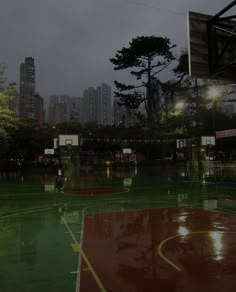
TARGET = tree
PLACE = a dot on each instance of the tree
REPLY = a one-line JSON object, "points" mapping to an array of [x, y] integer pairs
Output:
{"points": [[201, 114], [147, 56], [8, 120], [170, 92]]}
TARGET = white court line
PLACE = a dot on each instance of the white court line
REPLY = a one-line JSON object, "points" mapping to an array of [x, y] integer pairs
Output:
{"points": [[26, 212], [163, 242], [24, 194]]}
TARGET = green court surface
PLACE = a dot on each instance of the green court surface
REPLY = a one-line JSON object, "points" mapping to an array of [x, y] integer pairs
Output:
{"points": [[42, 244]]}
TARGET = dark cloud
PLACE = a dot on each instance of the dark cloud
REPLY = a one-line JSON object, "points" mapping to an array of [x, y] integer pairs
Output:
{"points": [[72, 40]]}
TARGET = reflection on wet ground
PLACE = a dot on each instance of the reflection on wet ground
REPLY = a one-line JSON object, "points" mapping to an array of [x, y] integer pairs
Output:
{"points": [[163, 249], [156, 236]]}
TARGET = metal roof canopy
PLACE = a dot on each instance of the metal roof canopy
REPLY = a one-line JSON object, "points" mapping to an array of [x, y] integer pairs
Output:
{"points": [[212, 45]]}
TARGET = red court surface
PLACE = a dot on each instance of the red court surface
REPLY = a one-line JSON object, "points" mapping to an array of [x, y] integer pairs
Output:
{"points": [[173, 249]]}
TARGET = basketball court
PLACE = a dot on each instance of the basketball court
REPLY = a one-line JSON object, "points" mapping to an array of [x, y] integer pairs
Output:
{"points": [[169, 230], [127, 229]]}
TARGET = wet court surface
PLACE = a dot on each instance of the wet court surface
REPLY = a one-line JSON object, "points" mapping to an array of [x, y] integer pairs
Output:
{"points": [[145, 229]]}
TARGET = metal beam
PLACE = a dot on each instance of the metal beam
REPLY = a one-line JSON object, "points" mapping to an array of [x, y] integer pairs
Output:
{"points": [[217, 16], [227, 18], [225, 66], [230, 33], [215, 23], [225, 46]]}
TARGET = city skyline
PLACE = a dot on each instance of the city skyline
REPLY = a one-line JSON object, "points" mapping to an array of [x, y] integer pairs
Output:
{"points": [[94, 106], [72, 42]]}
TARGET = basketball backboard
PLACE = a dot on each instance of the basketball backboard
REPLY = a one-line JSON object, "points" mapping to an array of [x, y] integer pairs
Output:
{"points": [[212, 46], [127, 151], [208, 140], [49, 151], [66, 140]]}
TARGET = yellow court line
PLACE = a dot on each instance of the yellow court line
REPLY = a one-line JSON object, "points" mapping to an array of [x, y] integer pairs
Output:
{"points": [[160, 246], [95, 276]]}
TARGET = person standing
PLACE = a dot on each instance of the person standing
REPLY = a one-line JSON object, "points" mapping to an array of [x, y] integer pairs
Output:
{"points": [[59, 180]]}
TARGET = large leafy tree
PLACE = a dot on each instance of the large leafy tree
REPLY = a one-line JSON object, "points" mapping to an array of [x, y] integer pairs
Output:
{"points": [[147, 57], [8, 119]]}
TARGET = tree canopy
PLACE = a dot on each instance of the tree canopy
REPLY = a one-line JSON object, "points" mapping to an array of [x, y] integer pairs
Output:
{"points": [[8, 120], [146, 56]]}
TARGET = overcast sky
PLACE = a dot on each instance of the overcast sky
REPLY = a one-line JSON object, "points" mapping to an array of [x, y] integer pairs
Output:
{"points": [[72, 40]]}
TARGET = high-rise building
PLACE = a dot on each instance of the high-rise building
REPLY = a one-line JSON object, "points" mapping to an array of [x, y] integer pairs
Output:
{"points": [[97, 105], [53, 99], [90, 105], [64, 109], [58, 113], [39, 113], [31, 105], [104, 106], [27, 101]]}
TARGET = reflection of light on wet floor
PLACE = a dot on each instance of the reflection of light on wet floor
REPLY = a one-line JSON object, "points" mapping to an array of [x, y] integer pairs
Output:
{"points": [[219, 226], [183, 231], [216, 237], [49, 187], [108, 172], [183, 173], [127, 182], [182, 218], [203, 179]]}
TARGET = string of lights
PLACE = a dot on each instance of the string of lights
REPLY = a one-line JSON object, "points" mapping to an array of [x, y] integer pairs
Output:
{"points": [[115, 140]]}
